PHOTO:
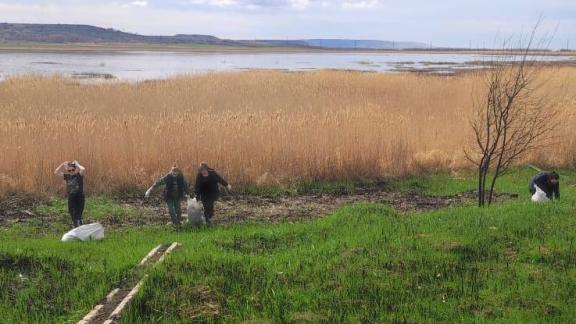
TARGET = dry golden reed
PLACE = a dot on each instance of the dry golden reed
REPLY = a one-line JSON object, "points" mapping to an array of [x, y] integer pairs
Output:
{"points": [[292, 126]]}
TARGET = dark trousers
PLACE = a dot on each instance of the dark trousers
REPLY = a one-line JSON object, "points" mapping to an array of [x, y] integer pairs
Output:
{"points": [[76, 208], [175, 210], [208, 208]]}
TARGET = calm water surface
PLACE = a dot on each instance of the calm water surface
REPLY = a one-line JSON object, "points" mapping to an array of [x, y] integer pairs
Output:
{"points": [[135, 66]]}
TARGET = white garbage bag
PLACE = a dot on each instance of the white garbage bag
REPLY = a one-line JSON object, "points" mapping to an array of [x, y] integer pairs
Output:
{"points": [[195, 212], [539, 196], [94, 231]]}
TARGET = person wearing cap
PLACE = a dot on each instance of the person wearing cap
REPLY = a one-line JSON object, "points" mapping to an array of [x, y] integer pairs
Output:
{"points": [[175, 189], [549, 182], [73, 174], [206, 189]]}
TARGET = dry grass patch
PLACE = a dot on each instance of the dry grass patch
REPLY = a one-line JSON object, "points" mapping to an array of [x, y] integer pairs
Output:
{"points": [[291, 126]]}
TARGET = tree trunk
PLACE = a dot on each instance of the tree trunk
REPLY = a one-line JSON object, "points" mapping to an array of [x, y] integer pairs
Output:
{"points": [[491, 192], [499, 164], [480, 186], [483, 173]]}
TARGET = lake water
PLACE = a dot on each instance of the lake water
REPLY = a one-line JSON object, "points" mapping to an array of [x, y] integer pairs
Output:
{"points": [[134, 66]]}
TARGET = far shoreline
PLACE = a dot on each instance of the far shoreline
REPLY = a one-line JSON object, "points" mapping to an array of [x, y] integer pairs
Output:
{"points": [[107, 48]]}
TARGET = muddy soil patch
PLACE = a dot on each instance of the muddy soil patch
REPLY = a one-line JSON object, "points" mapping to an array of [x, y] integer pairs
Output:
{"points": [[18, 208], [234, 209]]}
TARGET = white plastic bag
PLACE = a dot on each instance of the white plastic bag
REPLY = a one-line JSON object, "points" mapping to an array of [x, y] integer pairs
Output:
{"points": [[195, 212], [94, 231], [539, 196]]}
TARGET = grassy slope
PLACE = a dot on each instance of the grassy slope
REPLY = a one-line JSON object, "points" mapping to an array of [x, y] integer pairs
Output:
{"points": [[512, 262]]}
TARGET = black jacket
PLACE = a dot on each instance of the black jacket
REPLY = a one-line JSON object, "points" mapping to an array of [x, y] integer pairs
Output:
{"points": [[541, 180], [206, 188], [174, 186]]}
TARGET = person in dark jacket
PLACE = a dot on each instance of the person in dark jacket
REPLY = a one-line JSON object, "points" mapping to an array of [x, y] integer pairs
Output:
{"points": [[207, 190], [175, 189], [547, 182], [73, 174]]}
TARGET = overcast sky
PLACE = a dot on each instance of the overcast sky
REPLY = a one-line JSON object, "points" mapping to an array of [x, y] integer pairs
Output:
{"points": [[441, 22]]}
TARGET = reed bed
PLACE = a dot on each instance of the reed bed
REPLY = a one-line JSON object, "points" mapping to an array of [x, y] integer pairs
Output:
{"points": [[290, 126]]}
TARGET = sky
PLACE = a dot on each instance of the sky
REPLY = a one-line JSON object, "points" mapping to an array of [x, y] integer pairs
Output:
{"points": [[461, 23]]}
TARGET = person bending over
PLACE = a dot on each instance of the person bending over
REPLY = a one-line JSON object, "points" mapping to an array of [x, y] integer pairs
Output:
{"points": [[206, 189], [175, 189], [549, 182], [73, 174]]}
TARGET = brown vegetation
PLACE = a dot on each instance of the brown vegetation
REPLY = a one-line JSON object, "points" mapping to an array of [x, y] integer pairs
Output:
{"points": [[293, 126]]}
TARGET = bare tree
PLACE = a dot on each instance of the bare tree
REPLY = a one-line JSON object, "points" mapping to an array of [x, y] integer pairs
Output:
{"points": [[512, 117]]}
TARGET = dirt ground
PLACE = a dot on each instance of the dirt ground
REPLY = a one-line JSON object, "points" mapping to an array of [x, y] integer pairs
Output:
{"points": [[307, 207], [19, 208], [242, 208]]}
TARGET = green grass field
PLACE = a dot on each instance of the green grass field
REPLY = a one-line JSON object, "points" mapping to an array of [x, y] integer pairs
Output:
{"points": [[513, 262]]}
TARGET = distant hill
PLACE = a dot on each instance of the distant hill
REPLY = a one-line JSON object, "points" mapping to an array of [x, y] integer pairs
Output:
{"points": [[60, 33], [64, 33]]}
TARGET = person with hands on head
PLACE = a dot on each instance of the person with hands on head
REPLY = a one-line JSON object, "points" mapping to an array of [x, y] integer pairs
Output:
{"points": [[175, 189], [206, 189], [73, 174]]}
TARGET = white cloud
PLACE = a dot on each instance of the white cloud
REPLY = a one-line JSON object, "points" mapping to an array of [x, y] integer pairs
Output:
{"points": [[289, 4], [258, 4], [138, 3], [299, 4], [215, 3], [360, 4]]}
